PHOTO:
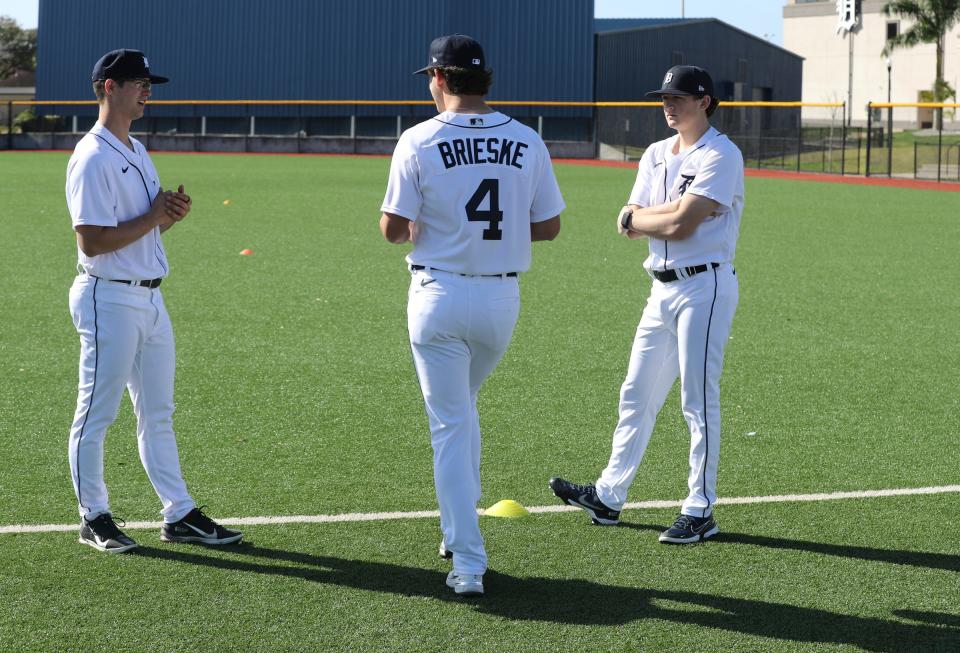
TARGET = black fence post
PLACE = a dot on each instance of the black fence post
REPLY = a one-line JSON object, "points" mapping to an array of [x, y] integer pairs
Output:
{"points": [[799, 139], [889, 141], [843, 141], [869, 135], [939, 141], [914, 159], [10, 125], [859, 147], [823, 152]]}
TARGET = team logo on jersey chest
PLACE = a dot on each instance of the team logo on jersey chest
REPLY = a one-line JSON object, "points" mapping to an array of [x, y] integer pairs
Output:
{"points": [[687, 180]]}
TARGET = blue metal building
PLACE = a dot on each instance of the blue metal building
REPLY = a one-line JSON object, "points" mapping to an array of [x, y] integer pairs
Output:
{"points": [[540, 50], [318, 49]]}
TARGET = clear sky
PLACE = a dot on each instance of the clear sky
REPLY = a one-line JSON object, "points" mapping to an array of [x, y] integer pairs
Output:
{"points": [[763, 18], [24, 11]]}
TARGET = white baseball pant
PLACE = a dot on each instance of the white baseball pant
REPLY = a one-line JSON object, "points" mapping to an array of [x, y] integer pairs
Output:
{"points": [[126, 339], [684, 330], [459, 328]]}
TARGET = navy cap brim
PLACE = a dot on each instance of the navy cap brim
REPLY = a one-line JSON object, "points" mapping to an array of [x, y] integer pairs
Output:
{"points": [[154, 79], [423, 71], [661, 92]]}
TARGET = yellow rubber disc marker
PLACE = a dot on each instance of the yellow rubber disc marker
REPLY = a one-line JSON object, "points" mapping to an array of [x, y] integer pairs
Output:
{"points": [[506, 508]]}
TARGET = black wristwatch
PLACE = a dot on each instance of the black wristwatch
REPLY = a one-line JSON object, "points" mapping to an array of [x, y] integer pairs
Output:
{"points": [[625, 219]]}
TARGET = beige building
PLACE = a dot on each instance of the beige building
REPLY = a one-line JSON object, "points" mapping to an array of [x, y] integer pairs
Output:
{"points": [[13, 90], [810, 29]]}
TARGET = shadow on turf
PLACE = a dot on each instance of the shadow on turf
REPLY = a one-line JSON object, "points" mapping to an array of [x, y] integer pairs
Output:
{"points": [[892, 556], [582, 602], [941, 618]]}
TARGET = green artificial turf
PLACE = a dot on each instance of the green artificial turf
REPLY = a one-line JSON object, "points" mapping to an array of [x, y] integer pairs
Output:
{"points": [[296, 395]]}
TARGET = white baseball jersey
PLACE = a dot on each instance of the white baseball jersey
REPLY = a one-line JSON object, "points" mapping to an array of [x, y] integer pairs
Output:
{"points": [[108, 183], [126, 339], [712, 168], [686, 323], [473, 183]]}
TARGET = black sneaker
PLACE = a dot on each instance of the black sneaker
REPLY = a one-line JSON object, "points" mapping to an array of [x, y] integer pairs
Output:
{"points": [[197, 527], [585, 496], [103, 535], [687, 530]]}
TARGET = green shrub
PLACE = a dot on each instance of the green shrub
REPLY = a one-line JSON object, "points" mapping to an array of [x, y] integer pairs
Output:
{"points": [[24, 121]]}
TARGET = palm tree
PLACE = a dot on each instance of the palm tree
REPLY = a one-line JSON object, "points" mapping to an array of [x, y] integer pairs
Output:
{"points": [[932, 19]]}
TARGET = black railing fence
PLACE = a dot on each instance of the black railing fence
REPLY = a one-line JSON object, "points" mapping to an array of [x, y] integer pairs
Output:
{"points": [[899, 140]]}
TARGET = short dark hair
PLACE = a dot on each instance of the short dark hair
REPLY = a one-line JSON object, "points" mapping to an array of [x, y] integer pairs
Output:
{"points": [[714, 103], [463, 81], [100, 92]]}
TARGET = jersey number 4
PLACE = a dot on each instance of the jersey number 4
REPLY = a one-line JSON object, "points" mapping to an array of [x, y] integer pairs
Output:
{"points": [[492, 214]]}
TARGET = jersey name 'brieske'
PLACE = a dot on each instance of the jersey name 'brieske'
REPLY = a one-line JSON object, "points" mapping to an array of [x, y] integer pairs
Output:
{"points": [[471, 151]]}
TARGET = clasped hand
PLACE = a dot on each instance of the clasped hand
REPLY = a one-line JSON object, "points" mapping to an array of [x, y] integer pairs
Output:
{"points": [[176, 204], [171, 206]]}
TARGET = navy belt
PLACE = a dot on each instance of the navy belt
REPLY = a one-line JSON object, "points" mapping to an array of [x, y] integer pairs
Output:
{"points": [[146, 283], [424, 267], [666, 276]]}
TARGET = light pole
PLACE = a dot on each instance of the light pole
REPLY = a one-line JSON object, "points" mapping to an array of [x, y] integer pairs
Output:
{"points": [[889, 120], [889, 68]]}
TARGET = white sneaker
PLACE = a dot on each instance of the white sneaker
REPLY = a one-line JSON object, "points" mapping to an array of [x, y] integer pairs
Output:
{"points": [[465, 584]]}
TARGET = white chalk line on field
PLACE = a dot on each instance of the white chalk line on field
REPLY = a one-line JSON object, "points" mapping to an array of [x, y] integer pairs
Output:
{"points": [[421, 514]]}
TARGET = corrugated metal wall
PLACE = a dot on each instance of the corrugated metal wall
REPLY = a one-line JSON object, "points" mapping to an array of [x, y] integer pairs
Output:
{"points": [[629, 63], [316, 49], [743, 67]]}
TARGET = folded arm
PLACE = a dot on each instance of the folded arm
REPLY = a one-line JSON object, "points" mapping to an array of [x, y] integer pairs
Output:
{"points": [[676, 220]]}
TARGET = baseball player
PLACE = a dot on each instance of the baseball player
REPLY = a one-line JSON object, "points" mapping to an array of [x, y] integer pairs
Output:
{"points": [[119, 210], [687, 202], [470, 188]]}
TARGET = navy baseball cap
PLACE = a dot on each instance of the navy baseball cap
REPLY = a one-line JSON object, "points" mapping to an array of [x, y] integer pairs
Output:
{"points": [[125, 64], [685, 80], [456, 50]]}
